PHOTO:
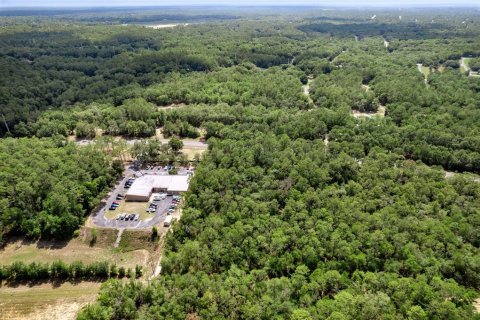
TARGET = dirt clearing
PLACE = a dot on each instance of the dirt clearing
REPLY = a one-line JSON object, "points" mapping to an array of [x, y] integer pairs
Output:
{"points": [[380, 113]]}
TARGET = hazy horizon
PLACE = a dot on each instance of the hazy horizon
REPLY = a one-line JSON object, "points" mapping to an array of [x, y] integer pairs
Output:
{"points": [[279, 3]]}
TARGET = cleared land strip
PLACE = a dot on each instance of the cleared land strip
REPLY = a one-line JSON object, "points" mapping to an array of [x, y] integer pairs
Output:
{"points": [[46, 301]]}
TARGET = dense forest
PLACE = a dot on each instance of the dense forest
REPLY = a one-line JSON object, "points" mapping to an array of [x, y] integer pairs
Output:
{"points": [[49, 186], [324, 192]]}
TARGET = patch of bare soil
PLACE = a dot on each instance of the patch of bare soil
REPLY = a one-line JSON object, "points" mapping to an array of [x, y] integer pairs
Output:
{"points": [[172, 106], [476, 304], [380, 113]]}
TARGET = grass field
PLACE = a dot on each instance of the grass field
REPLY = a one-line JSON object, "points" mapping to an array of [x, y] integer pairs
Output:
{"points": [[191, 152], [77, 249], [46, 301], [130, 207], [140, 240]]}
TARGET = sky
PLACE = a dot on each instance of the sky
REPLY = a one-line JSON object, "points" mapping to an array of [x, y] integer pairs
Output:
{"points": [[117, 3]]}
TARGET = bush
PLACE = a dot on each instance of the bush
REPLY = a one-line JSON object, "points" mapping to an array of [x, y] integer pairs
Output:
{"points": [[154, 235], [138, 271], [113, 271], [121, 272], [93, 238]]}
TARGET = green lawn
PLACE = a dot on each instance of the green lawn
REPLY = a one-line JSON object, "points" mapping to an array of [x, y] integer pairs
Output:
{"points": [[128, 208]]}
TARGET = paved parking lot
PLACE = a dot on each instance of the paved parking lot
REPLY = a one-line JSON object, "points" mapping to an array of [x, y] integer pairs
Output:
{"points": [[158, 217]]}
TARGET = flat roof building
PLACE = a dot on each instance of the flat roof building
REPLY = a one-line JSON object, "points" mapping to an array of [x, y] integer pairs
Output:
{"points": [[144, 186]]}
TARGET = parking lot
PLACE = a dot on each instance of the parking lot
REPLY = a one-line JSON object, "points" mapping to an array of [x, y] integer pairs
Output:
{"points": [[110, 218]]}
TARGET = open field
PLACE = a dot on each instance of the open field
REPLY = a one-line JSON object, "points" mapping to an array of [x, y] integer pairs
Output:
{"points": [[46, 301], [191, 152], [140, 241], [49, 301], [77, 249]]}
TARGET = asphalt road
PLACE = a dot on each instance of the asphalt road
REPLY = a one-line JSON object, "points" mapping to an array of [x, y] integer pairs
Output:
{"points": [[193, 144]]}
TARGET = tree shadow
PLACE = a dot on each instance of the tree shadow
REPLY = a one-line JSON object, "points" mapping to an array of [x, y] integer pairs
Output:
{"points": [[56, 282]]}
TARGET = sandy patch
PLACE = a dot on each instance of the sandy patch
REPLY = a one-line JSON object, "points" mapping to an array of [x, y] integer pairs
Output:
{"points": [[380, 113]]}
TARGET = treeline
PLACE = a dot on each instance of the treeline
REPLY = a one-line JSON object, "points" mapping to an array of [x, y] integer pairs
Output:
{"points": [[49, 186], [61, 271]]}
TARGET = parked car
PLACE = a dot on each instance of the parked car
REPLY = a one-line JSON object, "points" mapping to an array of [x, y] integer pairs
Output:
{"points": [[137, 216]]}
